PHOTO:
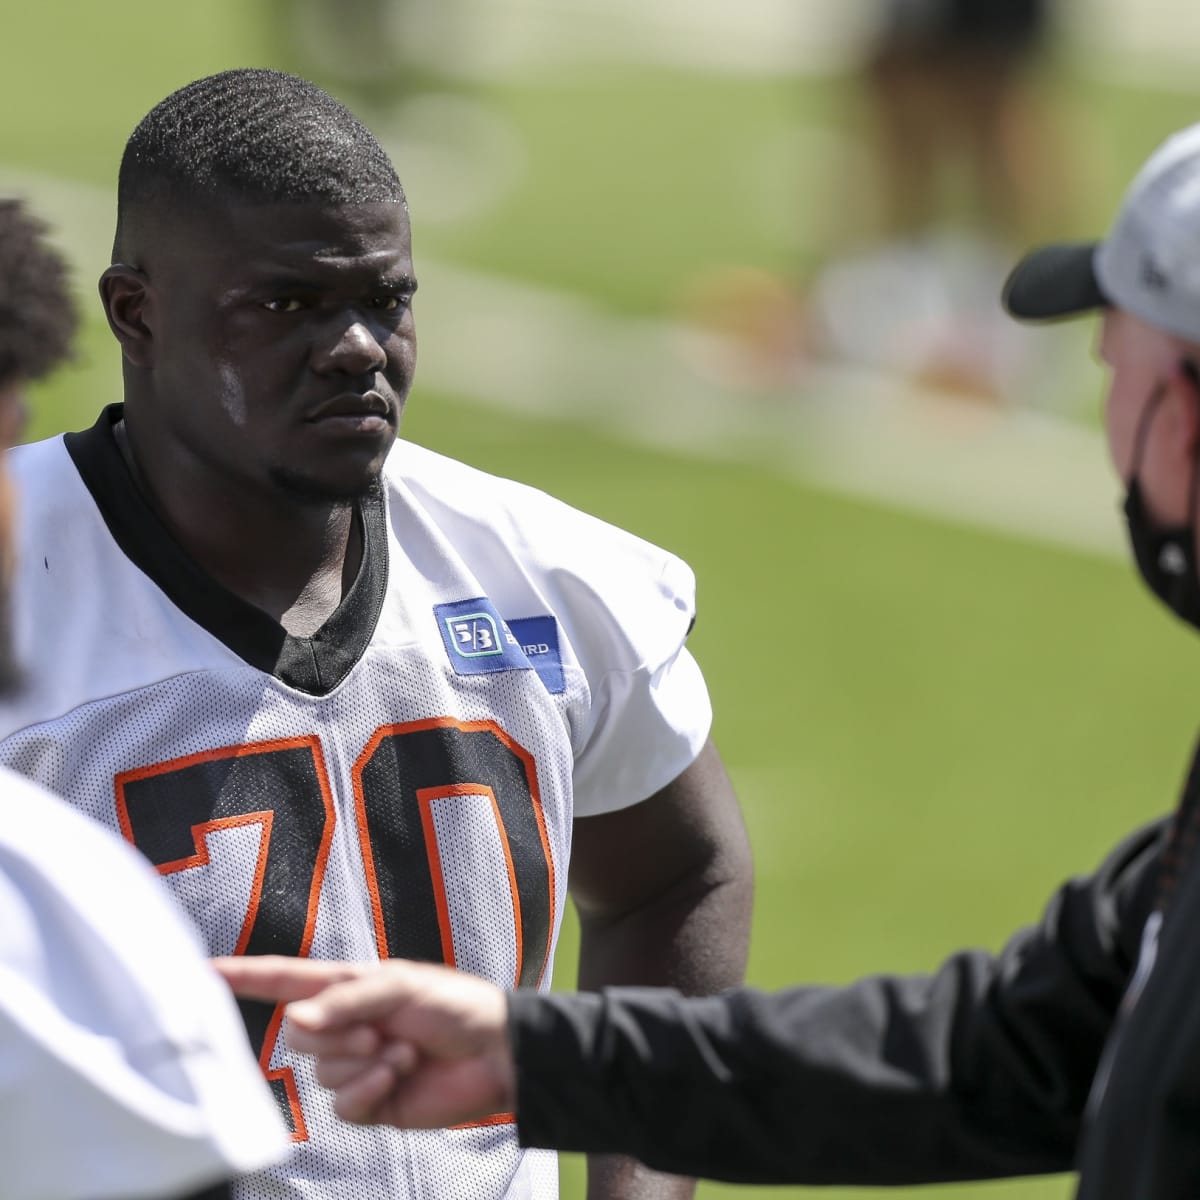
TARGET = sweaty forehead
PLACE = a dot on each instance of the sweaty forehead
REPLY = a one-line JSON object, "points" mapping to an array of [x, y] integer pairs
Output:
{"points": [[288, 235]]}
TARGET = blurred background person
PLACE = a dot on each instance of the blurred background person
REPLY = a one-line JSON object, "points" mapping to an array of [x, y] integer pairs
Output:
{"points": [[407, 67], [946, 82], [376, 52], [960, 170]]}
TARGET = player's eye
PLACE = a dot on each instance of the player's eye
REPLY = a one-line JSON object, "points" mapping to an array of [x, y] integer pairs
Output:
{"points": [[284, 304], [392, 302]]}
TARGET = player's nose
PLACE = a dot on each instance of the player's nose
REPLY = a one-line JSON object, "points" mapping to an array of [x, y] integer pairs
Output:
{"points": [[350, 348]]}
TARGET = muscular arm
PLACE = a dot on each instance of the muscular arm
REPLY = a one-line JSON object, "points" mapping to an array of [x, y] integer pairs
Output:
{"points": [[663, 890], [980, 1070]]}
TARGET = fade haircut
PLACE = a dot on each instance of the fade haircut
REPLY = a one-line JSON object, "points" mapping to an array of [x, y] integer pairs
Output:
{"points": [[252, 136], [38, 317]]}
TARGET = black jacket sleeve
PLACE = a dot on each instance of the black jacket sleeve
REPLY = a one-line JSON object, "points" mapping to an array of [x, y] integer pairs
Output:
{"points": [[980, 1070]]}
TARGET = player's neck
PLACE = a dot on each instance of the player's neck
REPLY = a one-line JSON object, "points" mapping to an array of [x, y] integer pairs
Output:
{"points": [[294, 561]]}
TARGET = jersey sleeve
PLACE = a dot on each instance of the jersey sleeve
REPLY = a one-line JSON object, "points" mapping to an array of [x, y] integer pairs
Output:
{"points": [[649, 711], [622, 606], [124, 1069], [979, 1070]]}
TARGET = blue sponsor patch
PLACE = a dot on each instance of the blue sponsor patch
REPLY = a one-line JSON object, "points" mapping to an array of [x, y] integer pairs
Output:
{"points": [[477, 639], [538, 637]]}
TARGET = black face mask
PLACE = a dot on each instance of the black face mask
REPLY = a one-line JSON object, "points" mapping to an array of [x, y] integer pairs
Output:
{"points": [[1165, 556]]}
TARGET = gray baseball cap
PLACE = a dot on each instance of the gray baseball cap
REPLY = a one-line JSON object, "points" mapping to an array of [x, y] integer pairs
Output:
{"points": [[1149, 264]]}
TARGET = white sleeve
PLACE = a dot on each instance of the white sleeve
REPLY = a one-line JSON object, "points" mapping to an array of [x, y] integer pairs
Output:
{"points": [[124, 1068], [624, 606], [650, 712]]}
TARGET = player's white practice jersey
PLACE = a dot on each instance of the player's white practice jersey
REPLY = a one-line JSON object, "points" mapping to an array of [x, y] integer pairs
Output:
{"points": [[401, 783]]}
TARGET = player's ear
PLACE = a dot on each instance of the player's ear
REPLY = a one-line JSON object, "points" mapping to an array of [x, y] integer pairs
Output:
{"points": [[125, 294]]}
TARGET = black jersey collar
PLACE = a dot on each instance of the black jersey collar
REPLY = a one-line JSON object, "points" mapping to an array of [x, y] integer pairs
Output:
{"points": [[315, 664]]}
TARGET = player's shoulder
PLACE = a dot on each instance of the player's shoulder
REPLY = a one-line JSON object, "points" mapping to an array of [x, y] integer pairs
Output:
{"points": [[51, 490], [452, 481], [126, 636], [39, 466], [617, 597], [536, 526]]}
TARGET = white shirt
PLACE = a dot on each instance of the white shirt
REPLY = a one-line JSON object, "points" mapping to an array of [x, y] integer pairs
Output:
{"points": [[124, 1068]]}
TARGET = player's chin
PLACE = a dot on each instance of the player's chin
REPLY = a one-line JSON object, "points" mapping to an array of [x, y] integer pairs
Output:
{"points": [[330, 482], [336, 469]]}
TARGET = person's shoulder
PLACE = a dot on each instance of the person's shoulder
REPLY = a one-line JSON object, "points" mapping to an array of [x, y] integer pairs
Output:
{"points": [[35, 462], [543, 527], [618, 597], [47, 481], [438, 475]]}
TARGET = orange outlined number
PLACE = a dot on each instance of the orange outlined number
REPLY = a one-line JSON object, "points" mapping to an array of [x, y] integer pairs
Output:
{"points": [[400, 773], [168, 811]]}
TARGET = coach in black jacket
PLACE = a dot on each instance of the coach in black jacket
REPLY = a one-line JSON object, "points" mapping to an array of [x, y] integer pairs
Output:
{"points": [[1077, 1047]]}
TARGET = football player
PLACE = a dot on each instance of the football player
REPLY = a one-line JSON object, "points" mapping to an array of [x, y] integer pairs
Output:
{"points": [[353, 698], [124, 1070]]}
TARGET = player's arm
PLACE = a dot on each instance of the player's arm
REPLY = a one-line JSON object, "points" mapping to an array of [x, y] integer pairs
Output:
{"points": [[663, 890]]}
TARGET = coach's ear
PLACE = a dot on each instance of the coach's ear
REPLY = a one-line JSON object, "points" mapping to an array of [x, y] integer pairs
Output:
{"points": [[1188, 402], [125, 294]]}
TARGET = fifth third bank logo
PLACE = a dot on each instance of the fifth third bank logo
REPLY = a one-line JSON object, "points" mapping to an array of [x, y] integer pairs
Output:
{"points": [[475, 635], [479, 641]]}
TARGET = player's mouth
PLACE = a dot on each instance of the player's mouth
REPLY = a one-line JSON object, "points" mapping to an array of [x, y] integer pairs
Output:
{"points": [[352, 413]]}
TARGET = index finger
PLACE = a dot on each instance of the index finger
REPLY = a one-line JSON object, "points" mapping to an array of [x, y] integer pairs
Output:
{"points": [[274, 977]]}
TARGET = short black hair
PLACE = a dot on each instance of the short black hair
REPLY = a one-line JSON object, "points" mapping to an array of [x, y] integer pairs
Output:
{"points": [[38, 317], [253, 135]]}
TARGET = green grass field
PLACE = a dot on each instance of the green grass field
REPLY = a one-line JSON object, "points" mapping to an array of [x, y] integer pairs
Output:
{"points": [[929, 726]]}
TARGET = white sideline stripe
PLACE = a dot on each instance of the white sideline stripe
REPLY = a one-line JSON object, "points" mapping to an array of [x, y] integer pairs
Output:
{"points": [[1152, 42], [519, 348], [862, 434]]}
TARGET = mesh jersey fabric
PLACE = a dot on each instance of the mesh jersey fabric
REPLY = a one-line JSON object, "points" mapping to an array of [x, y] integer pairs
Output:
{"points": [[124, 1069], [422, 806]]}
